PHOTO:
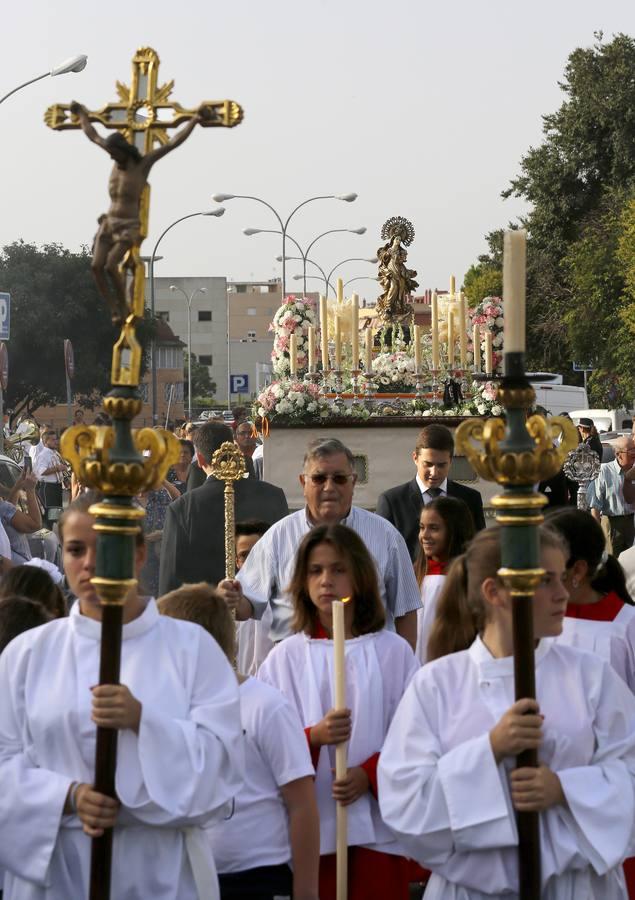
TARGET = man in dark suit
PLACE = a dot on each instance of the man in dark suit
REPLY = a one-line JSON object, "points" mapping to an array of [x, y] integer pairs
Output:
{"points": [[193, 546], [432, 457]]}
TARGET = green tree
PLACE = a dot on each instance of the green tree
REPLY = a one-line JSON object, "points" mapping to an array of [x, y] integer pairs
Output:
{"points": [[203, 388], [53, 297], [485, 279]]}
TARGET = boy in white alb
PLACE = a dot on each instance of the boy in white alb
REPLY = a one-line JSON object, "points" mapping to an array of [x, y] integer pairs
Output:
{"points": [[274, 820]]}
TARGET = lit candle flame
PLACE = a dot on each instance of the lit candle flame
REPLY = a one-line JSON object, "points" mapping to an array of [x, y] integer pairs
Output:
{"points": [[345, 600]]}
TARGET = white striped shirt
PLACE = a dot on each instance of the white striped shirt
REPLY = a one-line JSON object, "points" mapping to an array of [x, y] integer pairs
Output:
{"points": [[267, 572], [606, 492]]}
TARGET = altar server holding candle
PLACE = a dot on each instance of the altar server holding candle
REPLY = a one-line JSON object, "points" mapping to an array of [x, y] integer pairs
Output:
{"points": [[333, 563], [447, 778]]}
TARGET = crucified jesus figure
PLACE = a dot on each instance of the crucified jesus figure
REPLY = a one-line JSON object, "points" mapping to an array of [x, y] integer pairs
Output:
{"points": [[120, 228]]}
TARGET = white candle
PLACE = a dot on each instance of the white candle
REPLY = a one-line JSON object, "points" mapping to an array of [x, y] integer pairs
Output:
{"points": [[417, 342], [293, 353], [341, 763], [355, 331], [324, 332], [463, 330], [514, 280], [435, 332], [452, 286], [450, 339], [476, 340], [489, 352], [369, 350], [340, 290], [311, 337], [338, 343]]}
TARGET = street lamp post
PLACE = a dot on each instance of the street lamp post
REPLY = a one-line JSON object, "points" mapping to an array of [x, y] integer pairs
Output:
{"points": [[74, 64], [153, 354], [368, 259], [304, 254], [188, 300], [222, 198]]}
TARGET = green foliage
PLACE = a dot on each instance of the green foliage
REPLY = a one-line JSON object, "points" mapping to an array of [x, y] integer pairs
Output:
{"points": [[203, 388], [53, 297], [579, 183], [482, 281]]}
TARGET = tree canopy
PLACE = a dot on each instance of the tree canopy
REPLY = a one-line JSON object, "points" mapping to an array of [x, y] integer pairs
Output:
{"points": [[580, 185], [53, 298]]}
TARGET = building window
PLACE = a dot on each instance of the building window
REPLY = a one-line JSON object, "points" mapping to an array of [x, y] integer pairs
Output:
{"points": [[252, 311], [169, 358], [173, 392], [165, 316], [143, 390], [205, 359], [205, 315], [241, 288]]}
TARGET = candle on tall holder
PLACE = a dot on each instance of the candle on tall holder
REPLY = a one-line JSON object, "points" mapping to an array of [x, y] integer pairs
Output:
{"points": [[489, 353], [337, 373], [324, 333], [476, 341], [435, 332], [463, 330], [341, 762], [518, 453], [340, 290], [355, 331], [293, 354], [450, 339], [368, 366], [311, 347]]}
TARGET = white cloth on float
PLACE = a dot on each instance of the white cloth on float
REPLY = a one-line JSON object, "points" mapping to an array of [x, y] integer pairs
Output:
{"points": [[431, 587], [379, 666], [448, 801], [181, 769]]}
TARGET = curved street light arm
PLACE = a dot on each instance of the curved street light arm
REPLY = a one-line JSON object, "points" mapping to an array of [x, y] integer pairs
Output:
{"points": [[289, 238], [362, 278], [324, 233], [26, 84], [350, 259]]}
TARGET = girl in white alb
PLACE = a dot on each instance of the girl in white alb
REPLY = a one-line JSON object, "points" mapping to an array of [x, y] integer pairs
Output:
{"points": [[447, 783], [333, 563], [445, 529], [180, 754], [269, 846]]}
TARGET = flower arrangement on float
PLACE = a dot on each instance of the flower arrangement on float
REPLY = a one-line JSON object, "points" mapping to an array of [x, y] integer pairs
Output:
{"points": [[488, 315], [293, 399], [293, 317]]}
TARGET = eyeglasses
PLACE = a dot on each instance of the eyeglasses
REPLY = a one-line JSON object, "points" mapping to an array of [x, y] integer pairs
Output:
{"points": [[320, 478]]}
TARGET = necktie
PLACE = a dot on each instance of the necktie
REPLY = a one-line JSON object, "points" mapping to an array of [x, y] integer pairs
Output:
{"points": [[434, 492]]}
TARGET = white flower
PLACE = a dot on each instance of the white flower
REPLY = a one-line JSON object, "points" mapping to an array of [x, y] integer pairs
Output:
{"points": [[499, 322], [299, 401], [498, 340], [497, 409], [261, 411], [283, 406], [276, 390], [312, 406], [481, 408], [427, 412]]}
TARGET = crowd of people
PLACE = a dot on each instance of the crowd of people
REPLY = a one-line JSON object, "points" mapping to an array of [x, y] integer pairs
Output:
{"points": [[226, 716]]}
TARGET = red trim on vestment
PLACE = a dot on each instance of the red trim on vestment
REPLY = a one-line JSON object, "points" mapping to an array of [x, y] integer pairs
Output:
{"points": [[605, 610]]}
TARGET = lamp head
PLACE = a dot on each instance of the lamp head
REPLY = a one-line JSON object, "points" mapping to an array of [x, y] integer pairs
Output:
{"points": [[219, 211], [203, 290], [372, 259], [347, 198], [250, 231], [220, 198], [173, 287], [74, 64], [361, 230]]}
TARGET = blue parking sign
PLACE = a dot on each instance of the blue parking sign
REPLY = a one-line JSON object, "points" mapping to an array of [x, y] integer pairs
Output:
{"points": [[5, 316], [239, 384]]}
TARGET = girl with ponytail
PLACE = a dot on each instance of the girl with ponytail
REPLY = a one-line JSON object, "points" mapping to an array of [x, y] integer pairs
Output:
{"points": [[447, 783], [600, 613]]}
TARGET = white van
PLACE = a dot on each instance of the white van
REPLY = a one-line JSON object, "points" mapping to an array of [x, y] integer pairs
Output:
{"points": [[605, 419], [559, 398]]}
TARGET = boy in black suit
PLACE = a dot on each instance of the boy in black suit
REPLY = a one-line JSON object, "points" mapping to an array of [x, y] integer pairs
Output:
{"points": [[432, 457]]}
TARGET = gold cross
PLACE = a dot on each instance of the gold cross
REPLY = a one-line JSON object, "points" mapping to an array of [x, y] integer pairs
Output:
{"points": [[144, 112]]}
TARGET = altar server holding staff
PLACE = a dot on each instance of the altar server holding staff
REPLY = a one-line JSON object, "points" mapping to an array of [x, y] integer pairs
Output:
{"points": [[180, 754], [446, 783], [333, 563]]}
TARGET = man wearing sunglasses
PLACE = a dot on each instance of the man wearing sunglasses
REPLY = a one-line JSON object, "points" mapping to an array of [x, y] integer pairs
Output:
{"points": [[328, 480]]}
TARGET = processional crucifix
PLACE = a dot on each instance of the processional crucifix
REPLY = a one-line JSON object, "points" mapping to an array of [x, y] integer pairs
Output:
{"points": [[109, 458]]}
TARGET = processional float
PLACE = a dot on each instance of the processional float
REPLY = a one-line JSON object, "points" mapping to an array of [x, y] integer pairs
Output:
{"points": [[518, 453], [117, 460]]}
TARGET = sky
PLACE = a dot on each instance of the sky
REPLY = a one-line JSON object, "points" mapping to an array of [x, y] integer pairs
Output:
{"points": [[422, 108]]}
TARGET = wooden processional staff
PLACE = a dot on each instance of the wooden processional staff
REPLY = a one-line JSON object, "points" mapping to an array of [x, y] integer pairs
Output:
{"points": [[117, 460], [518, 453]]}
